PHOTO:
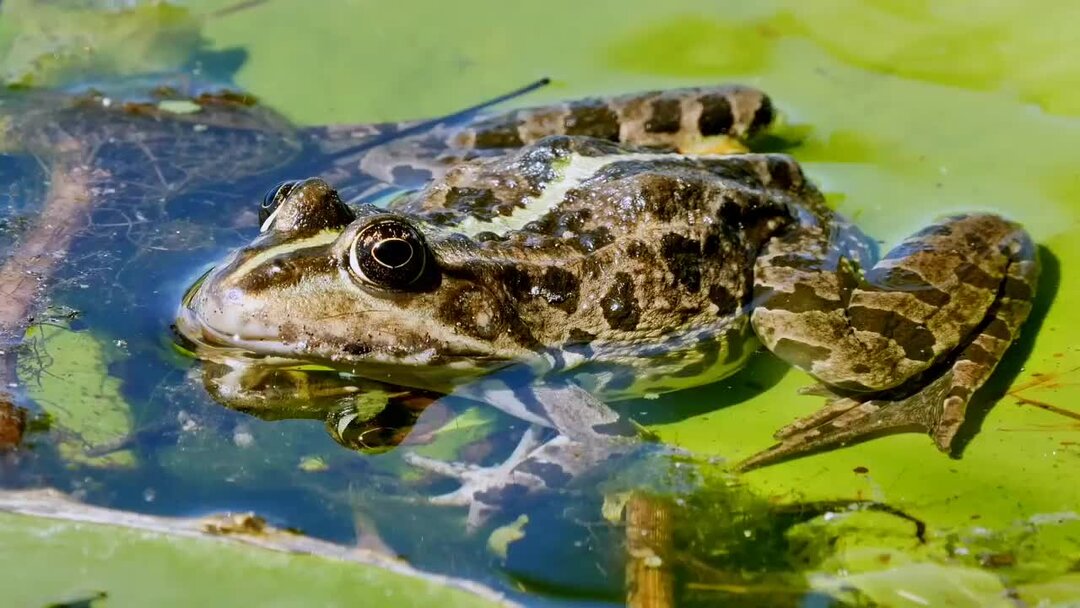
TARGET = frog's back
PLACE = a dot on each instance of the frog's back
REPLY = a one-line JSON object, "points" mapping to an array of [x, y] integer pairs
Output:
{"points": [[640, 256]]}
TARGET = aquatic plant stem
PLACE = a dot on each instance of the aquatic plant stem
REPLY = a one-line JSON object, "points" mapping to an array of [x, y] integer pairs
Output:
{"points": [[23, 275], [650, 581]]}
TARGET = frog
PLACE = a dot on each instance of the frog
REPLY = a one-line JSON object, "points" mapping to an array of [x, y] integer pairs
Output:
{"points": [[559, 259]]}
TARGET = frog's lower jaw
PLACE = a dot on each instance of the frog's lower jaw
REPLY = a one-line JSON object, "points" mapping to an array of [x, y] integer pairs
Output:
{"points": [[214, 344]]}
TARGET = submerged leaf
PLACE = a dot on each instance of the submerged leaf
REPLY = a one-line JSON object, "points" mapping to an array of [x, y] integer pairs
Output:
{"points": [[66, 375]]}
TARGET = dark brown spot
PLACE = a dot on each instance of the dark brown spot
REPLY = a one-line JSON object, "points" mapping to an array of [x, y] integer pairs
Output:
{"points": [[477, 202], [933, 230], [665, 118], [799, 354], [502, 134], [960, 392], [637, 250], [997, 328], [861, 470], [619, 306], [517, 281], [1018, 289], [798, 261], [803, 299], [757, 219], [589, 241], [736, 168], [784, 173], [286, 271], [908, 248], [443, 218], [559, 288], [580, 336], [683, 259], [356, 349], [907, 281], [916, 340], [852, 385], [473, 311], [593, 118], [763, 116], [977, 277], [726, 302], [860, 368], [716, 117], [979, 356], [487, 235]]}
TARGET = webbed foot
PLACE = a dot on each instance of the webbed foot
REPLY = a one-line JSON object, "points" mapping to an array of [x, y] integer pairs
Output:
{"points": [[847, 420], [485, 489], [937, 408]]}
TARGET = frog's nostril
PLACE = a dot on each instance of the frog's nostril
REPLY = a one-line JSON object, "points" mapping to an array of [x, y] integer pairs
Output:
{"points": [[272, 202]]}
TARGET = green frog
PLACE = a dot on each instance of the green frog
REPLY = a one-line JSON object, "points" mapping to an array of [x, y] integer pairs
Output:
{"points": [[563, 257]]}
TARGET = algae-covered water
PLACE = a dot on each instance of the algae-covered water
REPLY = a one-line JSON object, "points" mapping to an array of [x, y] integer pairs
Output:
{"points": [[902, 111]]}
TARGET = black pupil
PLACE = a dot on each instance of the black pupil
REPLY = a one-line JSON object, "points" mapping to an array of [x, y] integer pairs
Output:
{"points": [[392, 253]]}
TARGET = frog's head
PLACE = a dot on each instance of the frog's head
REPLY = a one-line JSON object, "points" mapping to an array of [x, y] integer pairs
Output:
{"points": [[365, 290]]}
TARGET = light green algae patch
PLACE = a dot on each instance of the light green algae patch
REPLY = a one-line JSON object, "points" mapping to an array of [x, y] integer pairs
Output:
{"points": [[49, 44]]}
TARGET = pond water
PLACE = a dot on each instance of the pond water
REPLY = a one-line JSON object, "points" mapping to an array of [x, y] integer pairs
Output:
{"points": [[901, 111]]}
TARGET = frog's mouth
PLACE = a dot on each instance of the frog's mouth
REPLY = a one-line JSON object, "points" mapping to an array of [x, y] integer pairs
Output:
{"points": [[205, 337], [214, 328]]}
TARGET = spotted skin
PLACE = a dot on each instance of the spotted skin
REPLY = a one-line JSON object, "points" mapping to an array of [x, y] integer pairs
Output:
{"points": [[586, 252], [674, 119], [906, 344]]}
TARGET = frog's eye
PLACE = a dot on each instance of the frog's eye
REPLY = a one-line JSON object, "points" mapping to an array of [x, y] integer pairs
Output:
{"points": [[388, 253], [272, 202]]}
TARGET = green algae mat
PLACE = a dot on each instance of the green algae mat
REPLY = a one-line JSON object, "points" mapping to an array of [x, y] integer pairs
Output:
{"points": [[902, 111]]}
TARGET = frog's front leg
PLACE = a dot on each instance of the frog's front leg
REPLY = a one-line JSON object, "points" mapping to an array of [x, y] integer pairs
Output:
{"points": [[586, 432], [903, 346]]}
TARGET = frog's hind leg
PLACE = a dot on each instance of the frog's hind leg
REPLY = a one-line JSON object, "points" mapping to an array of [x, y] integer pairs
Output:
{"points": [[996, 263], [704, 120]]}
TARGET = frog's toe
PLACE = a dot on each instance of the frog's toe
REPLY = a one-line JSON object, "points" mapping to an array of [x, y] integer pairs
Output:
{"points": [[457, 470], [834, 408], [848, 420], [484, 490]]}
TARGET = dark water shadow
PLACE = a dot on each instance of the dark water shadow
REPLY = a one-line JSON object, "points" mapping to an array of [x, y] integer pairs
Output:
{"points": [[762, 372], [1013, 362]]}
